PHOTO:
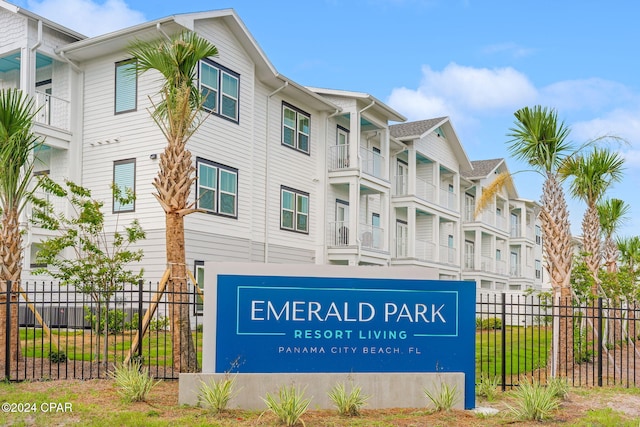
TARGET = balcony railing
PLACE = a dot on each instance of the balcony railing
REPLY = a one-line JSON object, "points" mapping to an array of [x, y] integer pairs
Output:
{"points": [[402, 248], [425, 190], [501, 267], [487, 264], [425, 251], [447, 254], [402, 185], [53, 111], [339, 157], [469, 261], [338, 234], [371, 236], [448, 199], [371, 162]]}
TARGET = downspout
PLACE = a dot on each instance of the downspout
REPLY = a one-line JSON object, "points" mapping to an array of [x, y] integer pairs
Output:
{"points": [[358, 241], [39, 42], [266, 173]]}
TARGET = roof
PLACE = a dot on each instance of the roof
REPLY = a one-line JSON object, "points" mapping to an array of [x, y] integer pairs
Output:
{"points": [[392, 114], [415, 130], [15, 9], [118, 41], [482, 168]]}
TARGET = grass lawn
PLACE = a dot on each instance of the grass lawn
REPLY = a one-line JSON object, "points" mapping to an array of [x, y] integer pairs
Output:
{"points": [[97, 403]]}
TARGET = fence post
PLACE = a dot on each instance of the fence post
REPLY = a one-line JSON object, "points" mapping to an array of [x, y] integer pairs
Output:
{"points": [[600, 341], [139, 344], [7, 342], [504, 341]]}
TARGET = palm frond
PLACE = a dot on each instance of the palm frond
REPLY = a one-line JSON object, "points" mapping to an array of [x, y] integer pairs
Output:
{"points": [[489, 192]]}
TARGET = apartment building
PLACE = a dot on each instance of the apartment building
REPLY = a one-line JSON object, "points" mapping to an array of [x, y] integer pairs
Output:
{"points": [[286, 173]]}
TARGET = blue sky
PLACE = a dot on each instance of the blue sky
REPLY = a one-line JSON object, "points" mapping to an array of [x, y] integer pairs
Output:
{"points": [[475, 61]]}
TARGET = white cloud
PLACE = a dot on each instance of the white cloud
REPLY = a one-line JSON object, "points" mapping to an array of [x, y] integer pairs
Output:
{"points": [[512, 49], [464, 91], [587, 94], [88, 17]]}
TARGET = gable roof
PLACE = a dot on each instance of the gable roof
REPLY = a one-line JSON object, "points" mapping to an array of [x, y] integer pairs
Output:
{"points": [[387, 111], [118, 41], [482, 168], [415, 130], [53, 25]]}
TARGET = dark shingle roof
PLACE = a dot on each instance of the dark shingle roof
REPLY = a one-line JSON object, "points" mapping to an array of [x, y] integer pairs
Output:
{"points": [[481, 168], [411, 129]]}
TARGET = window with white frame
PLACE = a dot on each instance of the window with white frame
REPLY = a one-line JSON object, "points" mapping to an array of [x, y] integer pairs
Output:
{"points": [[538, 235], [538, 269], [296, 128], [217, 189], [126, 86], [294, 210], [221, 90], [124, 177]]}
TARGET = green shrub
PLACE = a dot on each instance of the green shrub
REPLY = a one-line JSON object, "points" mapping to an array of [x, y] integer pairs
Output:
{"points": [[115, 319], [132, 325], [488, 387], [159, 324], [289, 405], [133, 381], [490, 323], [216, 395], [534, 402], [348, 404], [444, 397], [57, 357]]}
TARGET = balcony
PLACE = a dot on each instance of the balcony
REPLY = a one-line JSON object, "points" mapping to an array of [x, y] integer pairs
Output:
{"points": [[338, 234], [447, 254], [339, 157], [425, 251], [371, 237], [448, 199], [53, 111], [372, 162]]}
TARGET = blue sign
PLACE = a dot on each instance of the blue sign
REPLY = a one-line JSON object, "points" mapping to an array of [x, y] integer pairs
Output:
{"points": [[267, 324]]}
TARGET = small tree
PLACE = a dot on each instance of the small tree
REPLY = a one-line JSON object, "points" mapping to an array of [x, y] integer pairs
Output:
{"points": [[83, 253]]}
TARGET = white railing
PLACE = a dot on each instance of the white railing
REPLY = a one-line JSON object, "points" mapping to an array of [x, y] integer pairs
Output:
{"points": [[469, 212], [501, 222], [487, 264], [53, 111], [402, 185], [514, 270], [425, 190], [339, 157], [402, 248], [425, 250], [469, 261], [447, 254], [371, 162], [371, 237], [501, 267], [338, 234], [448, 199]]}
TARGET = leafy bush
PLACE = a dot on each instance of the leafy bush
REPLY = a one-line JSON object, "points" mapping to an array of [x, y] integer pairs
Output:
{"points": [[490, 323], [57, 357], [534, 402], [159, 324], [115, 319], [133, 381], [216, 395], [132, 325], [488, 387], [289, 405], [348, 404], [444, 397]]}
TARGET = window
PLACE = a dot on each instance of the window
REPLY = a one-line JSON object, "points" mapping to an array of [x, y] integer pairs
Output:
{"points": [[221, 89], [33, 253], [294, 210], [198, 274], [126, 86], [124, 177], [296, 126], [538, 269], [538, 235], [217, 188]]}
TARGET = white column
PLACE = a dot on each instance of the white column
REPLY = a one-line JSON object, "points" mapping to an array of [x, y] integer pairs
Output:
{"points": [[411, 179], [354, 140], [384, 220], [411, 232], [354, 211]]}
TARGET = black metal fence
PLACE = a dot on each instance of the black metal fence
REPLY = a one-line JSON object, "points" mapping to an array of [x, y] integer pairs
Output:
{"points": [[63, 333], [590, 343]]}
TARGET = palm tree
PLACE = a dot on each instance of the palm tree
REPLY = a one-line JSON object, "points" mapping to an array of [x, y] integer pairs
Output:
{"points": [[540, 139], [177, 116], [592, 174], [17, 146], [629, 248], [612, 214]]}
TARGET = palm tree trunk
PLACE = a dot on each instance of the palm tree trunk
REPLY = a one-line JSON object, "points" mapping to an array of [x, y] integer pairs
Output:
{"points": [[591, 242], [184, 353], [10, 270]]}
